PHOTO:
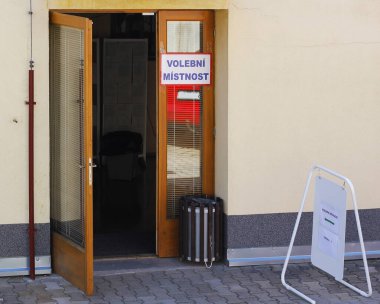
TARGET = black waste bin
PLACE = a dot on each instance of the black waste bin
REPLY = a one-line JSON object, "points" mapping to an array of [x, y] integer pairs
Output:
{"points": [[201, 228]]}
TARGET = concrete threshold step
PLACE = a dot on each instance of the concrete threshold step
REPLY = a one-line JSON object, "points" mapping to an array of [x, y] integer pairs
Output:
{"points": [[117, 266]]}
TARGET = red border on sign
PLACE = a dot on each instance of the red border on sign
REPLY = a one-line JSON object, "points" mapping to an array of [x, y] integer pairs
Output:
{"points": [[176, 53]]}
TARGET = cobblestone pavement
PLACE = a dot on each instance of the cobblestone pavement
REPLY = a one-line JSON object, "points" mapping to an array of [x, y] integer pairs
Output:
{"points": [[196, 284]]}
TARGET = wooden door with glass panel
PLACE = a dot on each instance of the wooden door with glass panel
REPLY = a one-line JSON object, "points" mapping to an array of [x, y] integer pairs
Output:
{"points": [[71, 148], [186, 125]]}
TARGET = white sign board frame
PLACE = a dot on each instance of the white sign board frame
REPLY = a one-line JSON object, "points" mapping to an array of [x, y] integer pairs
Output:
{"points": [[185, 69], [329, 227], [324, 199]]}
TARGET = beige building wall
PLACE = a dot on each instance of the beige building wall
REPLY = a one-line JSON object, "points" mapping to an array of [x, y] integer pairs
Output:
{"points": [[15, 54], [137, 4], [303, 89]]}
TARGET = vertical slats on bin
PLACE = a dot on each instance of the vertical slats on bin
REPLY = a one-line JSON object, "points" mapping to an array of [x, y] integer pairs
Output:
{"points": [[221, 232], [181, 226], [202, 230], [209, 243], [193, 232], [217, 230], [209, 233], [186, 229]]}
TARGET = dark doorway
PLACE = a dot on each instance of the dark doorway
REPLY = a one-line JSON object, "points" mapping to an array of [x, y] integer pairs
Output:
{"points": [[124, 132]]}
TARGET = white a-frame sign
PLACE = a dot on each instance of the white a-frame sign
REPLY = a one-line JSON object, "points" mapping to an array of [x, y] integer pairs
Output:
{"points": [[329, 229]]}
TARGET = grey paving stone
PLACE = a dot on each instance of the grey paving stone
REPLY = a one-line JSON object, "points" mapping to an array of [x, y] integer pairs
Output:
{"points": [[147, 298], [163, 298], [263, 297], [8, 290], [76, 296], [52, 295], [52, 285], [97, 300], [70, 289], [16, 280], [63, 300], [8, 298], [283, 300], [216, 299], [221, 284]]}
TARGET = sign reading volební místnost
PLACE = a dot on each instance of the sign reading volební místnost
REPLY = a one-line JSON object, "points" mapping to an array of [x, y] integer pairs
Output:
{"points": [[185, 69]]}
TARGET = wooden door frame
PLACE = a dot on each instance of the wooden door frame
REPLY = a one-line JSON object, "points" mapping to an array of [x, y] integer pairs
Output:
{"points": [[63, 248], [168, 230], [208, 120]]}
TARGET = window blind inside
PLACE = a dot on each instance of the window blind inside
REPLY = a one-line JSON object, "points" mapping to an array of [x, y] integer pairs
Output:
{"points": [[184, 36], [66, 132], [184, 121]]}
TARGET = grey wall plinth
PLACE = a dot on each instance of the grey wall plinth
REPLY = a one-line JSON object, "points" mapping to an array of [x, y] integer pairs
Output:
{"points": [[14, 240], [275, 230]]}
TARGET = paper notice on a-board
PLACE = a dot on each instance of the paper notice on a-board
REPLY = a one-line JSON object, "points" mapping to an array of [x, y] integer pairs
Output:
{"points": [[328, 242], [329, 218], [329, 225]]}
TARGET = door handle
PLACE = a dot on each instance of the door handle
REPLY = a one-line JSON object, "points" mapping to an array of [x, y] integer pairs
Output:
{"points": [[91, 165]]}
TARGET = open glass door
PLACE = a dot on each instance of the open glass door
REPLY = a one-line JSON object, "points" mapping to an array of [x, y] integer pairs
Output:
{"points": [[186, 123], [71, 148]]}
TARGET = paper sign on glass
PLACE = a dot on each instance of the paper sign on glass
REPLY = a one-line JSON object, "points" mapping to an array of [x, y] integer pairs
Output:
{"points": [[185, 69]]}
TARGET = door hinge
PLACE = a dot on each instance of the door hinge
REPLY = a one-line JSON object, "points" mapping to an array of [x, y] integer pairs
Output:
{"points": [[162, 48], [214, 32]]}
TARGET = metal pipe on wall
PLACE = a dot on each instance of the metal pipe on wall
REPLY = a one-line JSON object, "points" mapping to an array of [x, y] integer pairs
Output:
{"points": [[31, 103]]}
